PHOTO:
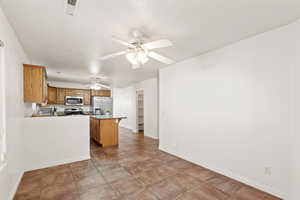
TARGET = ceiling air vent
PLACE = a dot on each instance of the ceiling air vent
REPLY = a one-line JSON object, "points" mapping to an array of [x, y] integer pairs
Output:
{"points": [[71, 6], [72, 2]]}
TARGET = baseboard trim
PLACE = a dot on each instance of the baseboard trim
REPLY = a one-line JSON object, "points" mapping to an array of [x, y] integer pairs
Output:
{"points": [[127, 127], [136, 131], [149, 136], [230, 174], [15, 187], [57, 162]]}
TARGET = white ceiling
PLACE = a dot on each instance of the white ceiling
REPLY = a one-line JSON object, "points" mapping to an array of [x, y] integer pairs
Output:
{"points": [[71, 45]]}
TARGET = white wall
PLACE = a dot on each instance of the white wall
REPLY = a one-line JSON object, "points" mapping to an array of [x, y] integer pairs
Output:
{"points": [[150, 89], [296, 130], [50, 141], [231, 110], [125, 104], [14, 58]]}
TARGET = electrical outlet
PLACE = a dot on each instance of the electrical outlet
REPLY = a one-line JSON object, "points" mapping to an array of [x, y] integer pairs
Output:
{"points": [[268, 171]]}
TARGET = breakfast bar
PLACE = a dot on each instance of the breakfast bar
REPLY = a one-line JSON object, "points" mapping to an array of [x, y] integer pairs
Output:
{"points": [[104, 129]]}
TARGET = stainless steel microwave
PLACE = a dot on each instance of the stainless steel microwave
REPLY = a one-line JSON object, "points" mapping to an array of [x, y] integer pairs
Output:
{"points": [[74, 101]]}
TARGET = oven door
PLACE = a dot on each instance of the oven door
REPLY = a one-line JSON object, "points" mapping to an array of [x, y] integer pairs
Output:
{"points": [[73, 101]]}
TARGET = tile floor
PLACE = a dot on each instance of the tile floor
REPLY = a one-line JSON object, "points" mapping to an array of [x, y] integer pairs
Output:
{"points": [[136, 170]]}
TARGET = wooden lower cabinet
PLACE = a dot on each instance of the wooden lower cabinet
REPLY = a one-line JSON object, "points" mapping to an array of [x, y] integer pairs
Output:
{"points": [[105, 131], [95, 129], [109, 132]]}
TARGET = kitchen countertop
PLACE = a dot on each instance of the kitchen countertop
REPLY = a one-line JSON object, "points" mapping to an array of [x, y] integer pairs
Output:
{"points": [[108, 117], [58, 114], [61, 114]]}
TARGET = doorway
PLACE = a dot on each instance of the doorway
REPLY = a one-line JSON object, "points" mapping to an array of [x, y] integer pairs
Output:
{"points": [[140, 111]]}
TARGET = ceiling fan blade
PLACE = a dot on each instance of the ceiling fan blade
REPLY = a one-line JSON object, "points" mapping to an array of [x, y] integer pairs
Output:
{"points": [[160, 58], [105, 86], [157, 44], [102, 85], [122, 42], [112, 55]]}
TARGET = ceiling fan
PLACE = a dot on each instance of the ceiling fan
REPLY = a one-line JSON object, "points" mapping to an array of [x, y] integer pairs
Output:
{"points": [[95, 84], [139, 52]]}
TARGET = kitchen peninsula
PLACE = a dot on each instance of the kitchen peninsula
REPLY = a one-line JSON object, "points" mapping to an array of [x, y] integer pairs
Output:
{"points": [[104, 129]]}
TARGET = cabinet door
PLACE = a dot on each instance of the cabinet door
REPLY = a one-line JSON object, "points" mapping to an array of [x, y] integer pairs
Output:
{"points": [[52, 95], [94, 93], [73, 92], [61, 96], [78, 92], [87, 97], [95, 132], [109, 132], [102, 93], [45, 86], [34, 83], [105, 93], [69, 92]]}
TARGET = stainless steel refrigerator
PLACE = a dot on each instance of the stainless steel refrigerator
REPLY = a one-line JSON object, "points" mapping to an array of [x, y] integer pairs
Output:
{"points": [[100, 105]]}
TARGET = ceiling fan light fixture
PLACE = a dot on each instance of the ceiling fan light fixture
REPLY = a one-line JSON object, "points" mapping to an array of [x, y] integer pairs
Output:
{"points": [[96, 86], [137, 56]]}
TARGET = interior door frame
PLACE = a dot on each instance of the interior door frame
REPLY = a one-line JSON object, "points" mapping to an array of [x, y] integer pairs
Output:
{"points": [[138, 91], [2, 107]]}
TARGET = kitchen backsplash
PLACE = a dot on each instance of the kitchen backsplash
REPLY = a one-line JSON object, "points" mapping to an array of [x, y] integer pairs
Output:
{"points": [[33, 108], [61, 108]]}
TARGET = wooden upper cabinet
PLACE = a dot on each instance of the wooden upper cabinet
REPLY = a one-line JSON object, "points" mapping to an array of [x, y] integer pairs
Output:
{"points": [[45, 86], [35, 84], [61, 93], [86, 96], [102, 93], [69, 92], [52, 95], [79, 92], [73, 92]]}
